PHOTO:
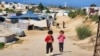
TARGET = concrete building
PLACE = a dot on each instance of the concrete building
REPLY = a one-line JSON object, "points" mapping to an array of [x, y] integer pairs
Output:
{"points": [[92, 10]]}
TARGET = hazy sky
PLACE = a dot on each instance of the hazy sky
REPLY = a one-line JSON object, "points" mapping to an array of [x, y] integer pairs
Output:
{"points": [[74, 3]]}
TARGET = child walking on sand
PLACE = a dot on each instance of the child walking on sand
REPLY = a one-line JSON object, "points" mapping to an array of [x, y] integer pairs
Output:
{"points": [[49, 40], [61, 38]]}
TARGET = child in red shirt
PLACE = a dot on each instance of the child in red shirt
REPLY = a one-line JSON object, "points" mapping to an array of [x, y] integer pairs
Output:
{"points": [[49, 40]]}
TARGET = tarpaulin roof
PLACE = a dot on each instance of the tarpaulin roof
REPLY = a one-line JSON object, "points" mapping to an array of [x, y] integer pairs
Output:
{"points": [[29, 15], [14, 17]]}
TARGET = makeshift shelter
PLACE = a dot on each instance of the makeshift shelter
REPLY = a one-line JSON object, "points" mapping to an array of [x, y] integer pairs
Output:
{"points": [[6, 35], [2, 19], [14, 19], [63, 13], [29, 21], [29, 15], [33, 20]]}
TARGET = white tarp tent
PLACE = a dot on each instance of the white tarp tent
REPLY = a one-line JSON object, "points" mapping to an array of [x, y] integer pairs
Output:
{"points": [[41, 23], [6, 35], [32, 19], [62, 13], [24, 23]]}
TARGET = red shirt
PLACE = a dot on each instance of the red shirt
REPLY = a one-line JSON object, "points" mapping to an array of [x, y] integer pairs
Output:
{"points": [[49, 39]]}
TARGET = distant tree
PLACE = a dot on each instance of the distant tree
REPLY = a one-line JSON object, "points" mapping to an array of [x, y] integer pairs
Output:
{"points": [[72, 14], [0, 10], [61, 7], [11, 10], [81, 12], [93, 5], [47, 11], [40, 7], [7, 9]]}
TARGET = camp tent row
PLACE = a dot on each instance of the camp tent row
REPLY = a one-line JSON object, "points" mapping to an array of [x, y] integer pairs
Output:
{"points": [[29, 19]]}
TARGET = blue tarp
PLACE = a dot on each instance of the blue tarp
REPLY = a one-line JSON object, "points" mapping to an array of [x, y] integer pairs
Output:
{"points": [[29, 15], [14, 17]]}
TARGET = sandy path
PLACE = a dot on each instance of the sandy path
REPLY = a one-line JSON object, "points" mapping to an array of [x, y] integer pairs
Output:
{"points": [[34, 45]]}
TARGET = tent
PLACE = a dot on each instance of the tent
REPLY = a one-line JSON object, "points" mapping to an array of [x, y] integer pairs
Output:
{"points": [[28, 19], [2, 19], [14, 19], [6, 35], [29, 15], [33, 19], [63, 13]]}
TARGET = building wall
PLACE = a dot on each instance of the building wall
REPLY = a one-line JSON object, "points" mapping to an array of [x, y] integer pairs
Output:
{"points": [[92, 10], [1, 7], [18, 6]]}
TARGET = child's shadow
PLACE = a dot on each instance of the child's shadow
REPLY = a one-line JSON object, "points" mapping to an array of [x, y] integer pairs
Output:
{"points": [[61, 53], [57, 54], [67, 51]]}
